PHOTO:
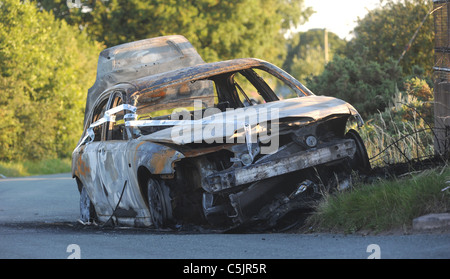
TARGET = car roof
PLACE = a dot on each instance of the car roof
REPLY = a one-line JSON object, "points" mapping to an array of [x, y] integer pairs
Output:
{"points": [[133, 60], [208, 70]]}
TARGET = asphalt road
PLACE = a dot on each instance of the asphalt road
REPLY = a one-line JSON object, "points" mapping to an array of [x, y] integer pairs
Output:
{"points": [[38, 220]]}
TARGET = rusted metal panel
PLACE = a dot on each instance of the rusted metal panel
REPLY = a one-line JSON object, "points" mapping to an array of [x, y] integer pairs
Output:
{"points": [[223, 180], [104, 167], [159, 159]]}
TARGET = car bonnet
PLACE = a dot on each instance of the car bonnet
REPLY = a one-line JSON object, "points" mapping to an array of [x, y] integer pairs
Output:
{"points": [[309, 108]]}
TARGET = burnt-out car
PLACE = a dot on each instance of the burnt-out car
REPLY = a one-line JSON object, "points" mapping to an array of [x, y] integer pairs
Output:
{"points": [[171, 140]]}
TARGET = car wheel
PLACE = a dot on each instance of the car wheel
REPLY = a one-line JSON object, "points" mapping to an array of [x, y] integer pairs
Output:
{"points": [[159, 202], [360, 161], [87, 210]]}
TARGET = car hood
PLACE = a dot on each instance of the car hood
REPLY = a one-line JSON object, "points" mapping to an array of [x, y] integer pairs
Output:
{"points": [[231, 124]]}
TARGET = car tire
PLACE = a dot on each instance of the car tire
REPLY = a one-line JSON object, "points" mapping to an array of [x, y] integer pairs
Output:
{"points": [[360, 161], [87, 209], [160, 203]]}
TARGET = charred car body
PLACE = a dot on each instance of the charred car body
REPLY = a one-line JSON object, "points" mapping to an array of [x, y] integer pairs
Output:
{"points": [[169, 139]]}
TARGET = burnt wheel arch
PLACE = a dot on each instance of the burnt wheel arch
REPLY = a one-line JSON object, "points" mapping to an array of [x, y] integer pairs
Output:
{"points": [[143, 175]]}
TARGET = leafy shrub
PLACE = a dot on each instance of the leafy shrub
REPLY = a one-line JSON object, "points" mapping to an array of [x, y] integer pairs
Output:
{"points": [[367, 85], [47, 67]]}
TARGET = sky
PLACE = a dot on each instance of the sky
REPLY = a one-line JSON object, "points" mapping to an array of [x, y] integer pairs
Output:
{"points": [[337, 16]]}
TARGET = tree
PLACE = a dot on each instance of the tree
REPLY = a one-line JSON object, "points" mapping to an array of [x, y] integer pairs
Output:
{"points": [[218, 29], [385, 32], [368, 73], [367, 85], [306, 52], [47, 67]]}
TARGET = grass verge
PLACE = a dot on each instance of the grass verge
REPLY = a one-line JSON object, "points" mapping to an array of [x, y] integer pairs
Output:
{"points": [[27, 168], [384, 205]]}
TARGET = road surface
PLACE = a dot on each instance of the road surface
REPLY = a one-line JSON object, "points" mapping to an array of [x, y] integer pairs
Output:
{"points": [[38, 220]]}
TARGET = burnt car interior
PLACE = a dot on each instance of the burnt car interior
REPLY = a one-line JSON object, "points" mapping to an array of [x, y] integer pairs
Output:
{"points": [[226, 91]]}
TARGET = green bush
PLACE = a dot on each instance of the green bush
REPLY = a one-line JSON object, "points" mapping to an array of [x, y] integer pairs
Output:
{"points": [[367, 85]]}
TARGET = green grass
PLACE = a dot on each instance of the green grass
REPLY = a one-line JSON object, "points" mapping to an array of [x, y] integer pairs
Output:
{"points": [[384, 205], [27, 168]]}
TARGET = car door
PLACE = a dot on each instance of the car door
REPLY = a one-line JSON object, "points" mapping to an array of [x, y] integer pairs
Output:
{"points": [[112, 155], [86, 159]]}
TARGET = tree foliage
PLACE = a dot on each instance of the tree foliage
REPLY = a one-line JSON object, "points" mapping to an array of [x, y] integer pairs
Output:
{"points": [[385, 32], [306, 52], [49, 54], [47, 67], [367, 73], [218, 29], [367, 85]]}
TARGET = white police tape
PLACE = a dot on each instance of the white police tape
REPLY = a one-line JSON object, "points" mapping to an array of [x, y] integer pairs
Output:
{"points": [[130, 120]]}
